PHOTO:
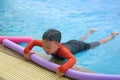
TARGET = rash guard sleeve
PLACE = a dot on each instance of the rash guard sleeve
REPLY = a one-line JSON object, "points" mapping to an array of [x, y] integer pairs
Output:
{"points": [[31, 44], [64, 52]]}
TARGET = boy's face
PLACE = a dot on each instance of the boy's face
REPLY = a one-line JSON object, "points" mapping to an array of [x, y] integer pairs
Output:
{"points": [[50, 47]]}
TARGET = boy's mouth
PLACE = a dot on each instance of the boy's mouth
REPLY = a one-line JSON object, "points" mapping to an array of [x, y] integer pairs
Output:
{"points": [[48, 53]]}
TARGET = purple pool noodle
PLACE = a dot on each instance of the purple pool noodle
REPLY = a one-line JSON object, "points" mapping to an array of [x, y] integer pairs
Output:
{"points": [[52, 66]]}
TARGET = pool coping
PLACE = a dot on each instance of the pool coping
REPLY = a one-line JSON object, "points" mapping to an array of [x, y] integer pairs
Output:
{"points": [[14, 54]]}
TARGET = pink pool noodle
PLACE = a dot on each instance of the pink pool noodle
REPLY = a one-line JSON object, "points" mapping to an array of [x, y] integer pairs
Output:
{"points": [[52, 66], [16, 39]]}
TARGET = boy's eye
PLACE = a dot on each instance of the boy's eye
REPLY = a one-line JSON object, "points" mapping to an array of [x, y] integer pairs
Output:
{"points": [[48, 48]]}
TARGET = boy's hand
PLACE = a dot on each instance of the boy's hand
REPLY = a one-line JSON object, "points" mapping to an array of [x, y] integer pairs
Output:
{"points": [[27, 56], [60, 74]]}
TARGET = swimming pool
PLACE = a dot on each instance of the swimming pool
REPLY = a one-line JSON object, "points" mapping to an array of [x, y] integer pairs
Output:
{"points": [[73, 18]]}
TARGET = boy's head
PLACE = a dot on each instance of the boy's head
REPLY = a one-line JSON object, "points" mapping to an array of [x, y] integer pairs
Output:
{"points": [[51, 41], [52, 35]]}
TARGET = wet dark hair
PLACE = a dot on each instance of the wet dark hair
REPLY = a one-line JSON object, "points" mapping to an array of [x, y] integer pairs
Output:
{"points": [[52, 35]]}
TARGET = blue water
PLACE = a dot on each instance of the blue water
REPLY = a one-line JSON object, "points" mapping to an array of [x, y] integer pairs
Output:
{"points": [[73, 18]]}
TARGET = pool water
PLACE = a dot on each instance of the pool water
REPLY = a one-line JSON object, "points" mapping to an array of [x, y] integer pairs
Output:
{"points": [[73, 18]]}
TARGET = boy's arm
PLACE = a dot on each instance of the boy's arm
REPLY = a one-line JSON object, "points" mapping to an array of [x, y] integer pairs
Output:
{"points": [[30, 45], [69, 64], [70, 60]]}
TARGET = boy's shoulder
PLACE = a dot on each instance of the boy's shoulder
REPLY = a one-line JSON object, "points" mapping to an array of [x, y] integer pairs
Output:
{"points": [[63, 48]]}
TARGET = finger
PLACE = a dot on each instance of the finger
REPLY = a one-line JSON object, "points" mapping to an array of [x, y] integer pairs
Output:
{"points": [[32, 52], [26, 56], [60, 74], [57, 76]]}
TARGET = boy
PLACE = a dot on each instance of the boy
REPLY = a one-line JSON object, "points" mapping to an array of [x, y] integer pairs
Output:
{"points": [[51, 45]]}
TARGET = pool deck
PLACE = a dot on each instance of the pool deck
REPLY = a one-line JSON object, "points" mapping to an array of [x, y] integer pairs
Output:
{"points": [[20, 57]]}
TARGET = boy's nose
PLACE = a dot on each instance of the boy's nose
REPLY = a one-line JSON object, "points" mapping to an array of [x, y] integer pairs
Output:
{"points": [[48, 52]]}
